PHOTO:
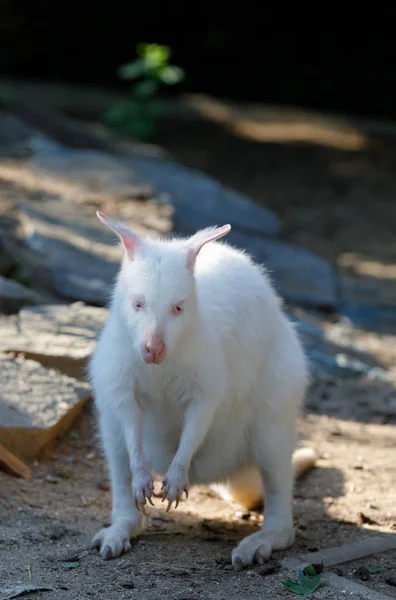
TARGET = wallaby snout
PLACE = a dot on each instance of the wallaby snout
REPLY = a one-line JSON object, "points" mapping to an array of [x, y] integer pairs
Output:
{"points": [[154, 350]]}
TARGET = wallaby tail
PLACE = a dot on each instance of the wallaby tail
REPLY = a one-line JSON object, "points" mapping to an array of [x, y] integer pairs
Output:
{"points": [[304, 459]]}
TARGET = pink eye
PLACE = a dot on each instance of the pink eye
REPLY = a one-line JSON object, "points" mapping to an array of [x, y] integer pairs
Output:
{"points": [[138, 305], [178, 308]]}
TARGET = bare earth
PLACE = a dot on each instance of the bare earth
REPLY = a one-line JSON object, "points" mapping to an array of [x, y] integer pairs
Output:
{"points": [[340, 203]]}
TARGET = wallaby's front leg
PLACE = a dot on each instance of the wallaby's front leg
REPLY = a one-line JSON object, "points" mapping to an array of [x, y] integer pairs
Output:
{"points": [[197, 421], [126, 520], [142, 480]]}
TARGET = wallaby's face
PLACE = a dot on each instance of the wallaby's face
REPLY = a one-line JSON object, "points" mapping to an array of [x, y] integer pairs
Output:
{"points": [[158, 300], [157, 287]]}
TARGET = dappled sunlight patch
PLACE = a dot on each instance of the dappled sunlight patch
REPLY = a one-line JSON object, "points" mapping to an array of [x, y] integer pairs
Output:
{"points": [[280, 125]]}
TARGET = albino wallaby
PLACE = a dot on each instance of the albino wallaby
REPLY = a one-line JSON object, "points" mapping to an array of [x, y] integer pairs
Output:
{"points": [[198, 376]]}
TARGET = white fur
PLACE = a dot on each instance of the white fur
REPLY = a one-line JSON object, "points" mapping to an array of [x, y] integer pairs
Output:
{"points": [[223, 405]]}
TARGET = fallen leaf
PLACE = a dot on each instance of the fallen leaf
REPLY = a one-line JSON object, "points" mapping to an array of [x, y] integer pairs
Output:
{"points": [[308, 581], [70, 565], [376, 569], [314, 569]]}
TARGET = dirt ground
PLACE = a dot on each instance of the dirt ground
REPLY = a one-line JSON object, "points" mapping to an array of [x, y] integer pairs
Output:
{"points": [[340, 203]]}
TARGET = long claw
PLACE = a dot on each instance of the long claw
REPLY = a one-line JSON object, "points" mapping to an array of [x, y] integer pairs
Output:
{"points": [[107, 553], [177, 503], [137, 504], [169, 506], [143, 510], [149, 499], [186, 493]]}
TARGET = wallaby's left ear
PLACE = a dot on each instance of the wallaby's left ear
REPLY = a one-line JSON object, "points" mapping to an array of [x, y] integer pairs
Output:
{"points": [[198, 240], [129, 238]]}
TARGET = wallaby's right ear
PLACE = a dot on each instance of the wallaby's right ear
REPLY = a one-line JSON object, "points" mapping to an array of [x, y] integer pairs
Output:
{"points": [[128, 238]]}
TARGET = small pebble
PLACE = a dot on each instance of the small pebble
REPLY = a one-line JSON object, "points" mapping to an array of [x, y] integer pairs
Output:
{"points": [[126, 584], [362, 573], [51, 479], [104, 486]]}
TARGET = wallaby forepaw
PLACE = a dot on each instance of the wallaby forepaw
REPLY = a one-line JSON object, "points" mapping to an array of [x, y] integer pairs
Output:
{"points": [[174, 484], [142, 490]]}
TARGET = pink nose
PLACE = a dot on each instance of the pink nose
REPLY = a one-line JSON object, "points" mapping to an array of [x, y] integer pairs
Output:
{"points": [[154, 351]]}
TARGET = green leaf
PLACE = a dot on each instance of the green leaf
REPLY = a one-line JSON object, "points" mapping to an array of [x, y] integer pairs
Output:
{"points": [[376, 569], [154, 54], [70, 565], [141, 129], [155, 108], [145, 89], [133, 69], [72, 435], [171, 75], [305, 584], [119, 112]]}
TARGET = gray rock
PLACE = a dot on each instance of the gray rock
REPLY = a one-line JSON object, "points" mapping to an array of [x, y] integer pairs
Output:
{"points": [[328, 357], [198, 199], [14, 295], [300, 276], [373, 316], [14, 137], [36, 404], [67, 251], [73, 255], [91, 169], [62, 337], [77, 269]]}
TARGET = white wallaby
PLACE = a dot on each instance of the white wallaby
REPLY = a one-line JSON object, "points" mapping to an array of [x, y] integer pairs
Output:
{"points": [[198, 377]]}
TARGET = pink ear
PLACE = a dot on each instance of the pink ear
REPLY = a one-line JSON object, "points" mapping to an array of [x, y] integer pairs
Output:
{"points": [[128, 238], [197, 241]]}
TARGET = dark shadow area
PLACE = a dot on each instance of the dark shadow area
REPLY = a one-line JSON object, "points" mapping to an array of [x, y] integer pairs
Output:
{"points": [[322, 194], [231, 54]]}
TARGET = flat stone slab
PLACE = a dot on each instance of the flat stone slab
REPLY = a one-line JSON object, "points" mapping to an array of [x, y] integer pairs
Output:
{"points": [[66, 250], [300, 276], [14, 295], [198, 200], [36, 404], [58, 336], [73, 255], [343, 554]]}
